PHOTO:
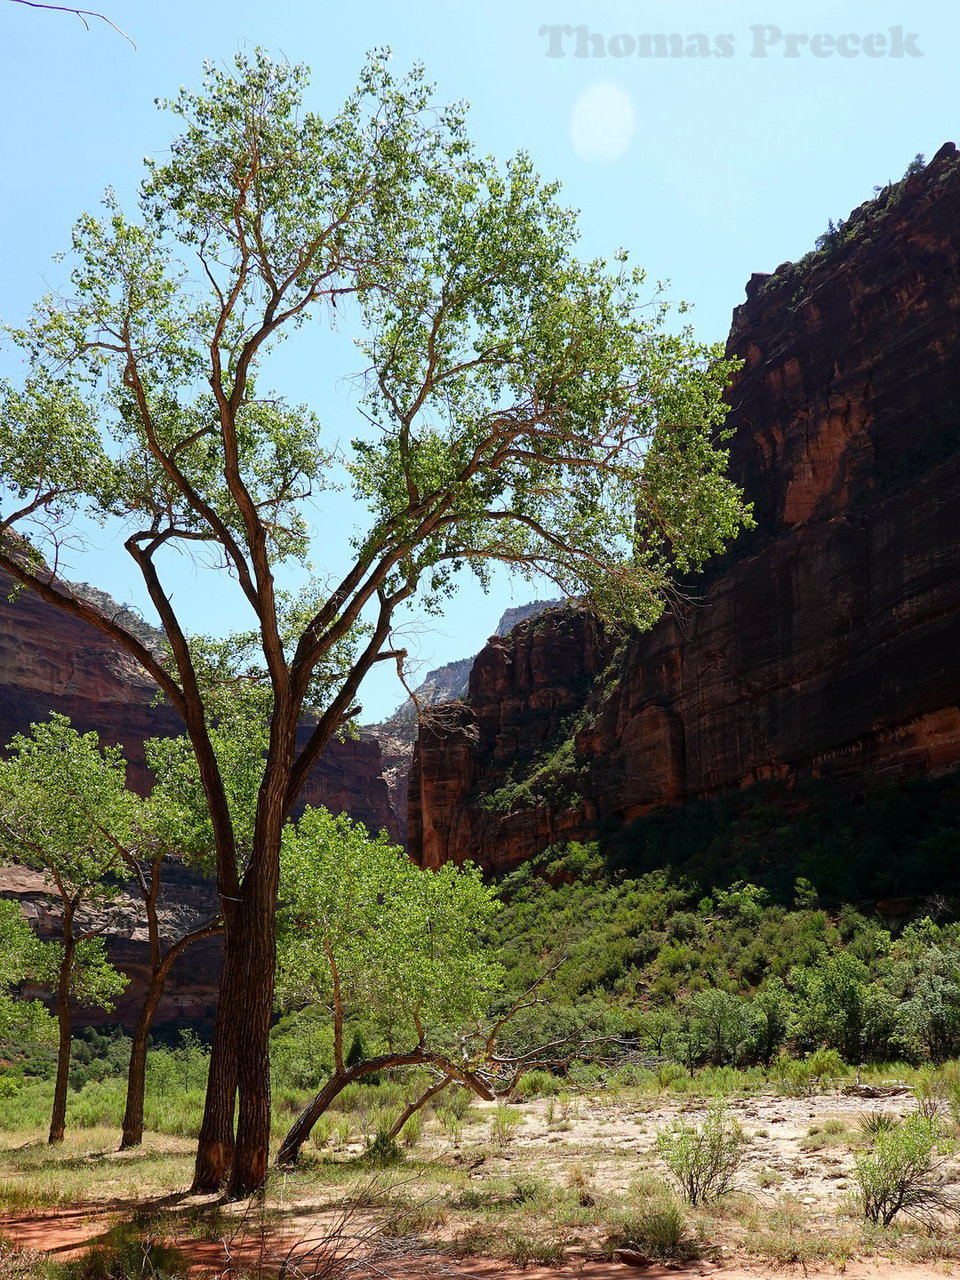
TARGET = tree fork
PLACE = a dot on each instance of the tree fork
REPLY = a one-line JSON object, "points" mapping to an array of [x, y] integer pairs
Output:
{"points": [[137, 1075]]}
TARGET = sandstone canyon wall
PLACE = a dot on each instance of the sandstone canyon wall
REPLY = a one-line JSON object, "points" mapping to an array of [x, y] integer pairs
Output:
{"points": [[825, 644], [50, 661]]}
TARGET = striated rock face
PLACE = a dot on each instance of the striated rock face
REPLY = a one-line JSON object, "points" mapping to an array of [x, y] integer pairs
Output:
{"points": [[190, 994], [525, 689], [50, 661], [825, 645], [397, 734]]}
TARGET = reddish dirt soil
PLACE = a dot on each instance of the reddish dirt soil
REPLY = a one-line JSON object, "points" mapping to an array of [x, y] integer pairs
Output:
{"points": [[65, 1234]]}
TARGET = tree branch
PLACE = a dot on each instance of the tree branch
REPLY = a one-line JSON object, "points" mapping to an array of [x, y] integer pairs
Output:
{"points": [[82, 14]]}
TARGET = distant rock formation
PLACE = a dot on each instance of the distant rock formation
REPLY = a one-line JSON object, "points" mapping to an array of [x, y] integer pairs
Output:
{"points": [[397, 734], [825, 643]]}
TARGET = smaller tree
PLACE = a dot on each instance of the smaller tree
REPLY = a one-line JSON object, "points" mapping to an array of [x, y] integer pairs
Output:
{"points": [[22, 957], [773, 1007], [925, 980], [838, 1005], [168, 824], [720, 1028], [47, 788], [363, 929], [65, 809], [704, 1158], [903, 1172]]}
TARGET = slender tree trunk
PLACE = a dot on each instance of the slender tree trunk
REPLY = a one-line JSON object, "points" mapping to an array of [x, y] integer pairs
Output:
{"points": [[301, 1128], [137, 1071], [58, 1118], [132, 1134]]}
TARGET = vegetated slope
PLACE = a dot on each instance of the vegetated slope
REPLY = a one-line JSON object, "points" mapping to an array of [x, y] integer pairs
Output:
{"points": [[727, 954], [823, 647]]}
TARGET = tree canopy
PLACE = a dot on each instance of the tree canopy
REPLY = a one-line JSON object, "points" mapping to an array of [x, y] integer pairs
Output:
{"points": [[362, 927], [22, 957], [517, 406]]}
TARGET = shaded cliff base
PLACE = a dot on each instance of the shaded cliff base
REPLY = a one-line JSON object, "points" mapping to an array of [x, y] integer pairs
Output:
{"points": [[893, 848]]}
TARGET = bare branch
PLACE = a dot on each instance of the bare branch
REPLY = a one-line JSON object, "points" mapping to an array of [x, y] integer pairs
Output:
{"points": [[82, 14]]}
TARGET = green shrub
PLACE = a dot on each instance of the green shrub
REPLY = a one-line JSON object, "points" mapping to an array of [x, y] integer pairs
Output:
{"points": [[791, 1076], [903, 1173], [451, 1124], [528, 1251], [322, 1131], [670, 1074], [412, 1131], [537, 1084], [343, 1131], [382, 1150], [530, 1190], [659, 1231], [826, 1064], [505, 1124], [873, 1122], [457, 1101], [704, 1158]]}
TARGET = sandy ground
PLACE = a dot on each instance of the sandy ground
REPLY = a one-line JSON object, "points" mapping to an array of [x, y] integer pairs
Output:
{"points": [[598, 1138]]}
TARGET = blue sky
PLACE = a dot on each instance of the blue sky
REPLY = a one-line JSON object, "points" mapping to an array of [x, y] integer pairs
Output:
{"points": [[706, 168]]}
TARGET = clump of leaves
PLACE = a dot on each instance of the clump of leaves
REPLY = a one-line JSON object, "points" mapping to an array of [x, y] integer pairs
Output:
{"points": [[873, 1122], [505, 1124], [529, 1251], [382, 1149], [660, 1231]]}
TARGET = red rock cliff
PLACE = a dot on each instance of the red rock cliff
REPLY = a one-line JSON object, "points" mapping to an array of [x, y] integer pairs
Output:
{"points": [[50, 661], [825, 645]]}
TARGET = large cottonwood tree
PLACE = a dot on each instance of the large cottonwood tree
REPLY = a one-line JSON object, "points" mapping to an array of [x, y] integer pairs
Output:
{"points": [[518, 406]]}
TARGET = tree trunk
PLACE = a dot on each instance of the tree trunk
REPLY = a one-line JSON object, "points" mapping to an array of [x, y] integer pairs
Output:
{"points": [[300, 1130], [252, 1153], [137, 1072], [58, 1118], [216, 1142], [414, 1107]]}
